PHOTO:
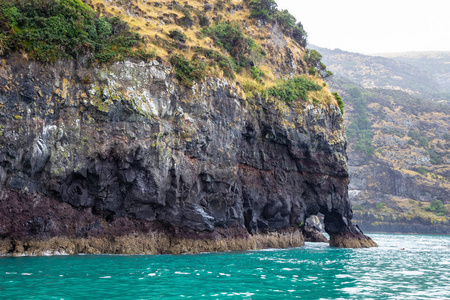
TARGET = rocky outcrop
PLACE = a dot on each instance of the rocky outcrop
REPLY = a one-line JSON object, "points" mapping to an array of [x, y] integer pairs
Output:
{"points": [[313, 230], [124, 143]]}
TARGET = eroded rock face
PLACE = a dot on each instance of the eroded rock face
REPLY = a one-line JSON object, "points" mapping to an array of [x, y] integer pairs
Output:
{"points": [[124, 141]]}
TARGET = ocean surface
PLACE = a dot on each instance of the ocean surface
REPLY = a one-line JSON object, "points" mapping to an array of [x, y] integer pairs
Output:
{"points": [[403, 267]]}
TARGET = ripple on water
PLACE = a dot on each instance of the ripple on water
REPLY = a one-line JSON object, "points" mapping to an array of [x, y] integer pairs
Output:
{"points": [[316, 271]]}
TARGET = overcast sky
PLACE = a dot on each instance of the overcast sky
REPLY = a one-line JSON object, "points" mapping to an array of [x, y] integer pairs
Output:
{"points": [[368, 26]]}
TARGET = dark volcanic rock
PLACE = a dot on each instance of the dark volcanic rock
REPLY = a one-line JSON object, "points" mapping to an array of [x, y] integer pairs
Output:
{"points": [[134, 145]]}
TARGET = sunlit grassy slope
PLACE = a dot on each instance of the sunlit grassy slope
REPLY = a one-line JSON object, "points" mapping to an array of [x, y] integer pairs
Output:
{"points": [[155, 20]]}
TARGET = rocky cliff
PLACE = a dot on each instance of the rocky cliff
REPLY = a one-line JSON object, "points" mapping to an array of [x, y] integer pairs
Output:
{"points": [[98, 158]]}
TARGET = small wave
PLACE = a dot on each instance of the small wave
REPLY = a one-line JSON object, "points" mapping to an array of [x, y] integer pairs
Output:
{"points": [[344, 276], [410, 273]]}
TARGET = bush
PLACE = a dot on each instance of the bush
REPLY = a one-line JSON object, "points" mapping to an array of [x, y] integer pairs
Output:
{"points": [[313, 59], [437, 207], [339, 101], [187, 71], [257, 74], [203, 20], [216, 58], [49, 30], [380, 205], [299, 35], [422, 170], [293, 89], [423, 141], [416, 136], [186, 20], [230, 37], [263, 9], [285, 19], [435, 159], [177, 36]]}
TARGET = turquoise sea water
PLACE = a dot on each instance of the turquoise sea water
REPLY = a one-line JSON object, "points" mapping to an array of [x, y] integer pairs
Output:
{"points": [[316, 271]]}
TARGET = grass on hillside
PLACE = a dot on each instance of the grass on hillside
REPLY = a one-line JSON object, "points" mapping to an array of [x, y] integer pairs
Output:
{"points": [[225, 39]]}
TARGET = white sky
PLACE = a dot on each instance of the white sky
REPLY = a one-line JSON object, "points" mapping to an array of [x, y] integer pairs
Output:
{"points": [[368, 26]]}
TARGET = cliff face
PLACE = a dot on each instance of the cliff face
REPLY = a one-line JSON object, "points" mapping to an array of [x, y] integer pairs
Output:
{"points": [[123, 149]]}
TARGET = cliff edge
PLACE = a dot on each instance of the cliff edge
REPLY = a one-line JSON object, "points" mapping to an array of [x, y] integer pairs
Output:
{"points": [[123, 158]]}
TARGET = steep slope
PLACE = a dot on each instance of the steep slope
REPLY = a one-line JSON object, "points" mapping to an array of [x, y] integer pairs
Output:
{"points": [[399, 159], [171, 152]]}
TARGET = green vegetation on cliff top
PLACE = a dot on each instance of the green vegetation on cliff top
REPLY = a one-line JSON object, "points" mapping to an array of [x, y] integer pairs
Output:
{"points": [[54, 29], [49, 30]]}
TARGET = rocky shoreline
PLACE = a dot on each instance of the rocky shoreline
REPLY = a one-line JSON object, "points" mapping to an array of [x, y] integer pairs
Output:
{"points": [[147, 244], [37, 225]]}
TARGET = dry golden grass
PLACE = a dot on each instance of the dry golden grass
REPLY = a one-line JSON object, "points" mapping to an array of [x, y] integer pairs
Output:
{"points": [[155, 19]]}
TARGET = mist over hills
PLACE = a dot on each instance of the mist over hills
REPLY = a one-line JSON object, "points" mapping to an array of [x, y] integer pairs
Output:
{"points": [[421, 73], [398, 126], [437, 63]]}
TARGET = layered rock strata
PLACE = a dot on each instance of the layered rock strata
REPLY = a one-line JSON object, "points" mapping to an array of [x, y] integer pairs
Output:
{"points": [[123, 150]]}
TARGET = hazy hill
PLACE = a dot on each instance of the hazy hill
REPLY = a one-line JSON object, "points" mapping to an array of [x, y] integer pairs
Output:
{"points": [[382, 72], [436, 63], [398, 128]]}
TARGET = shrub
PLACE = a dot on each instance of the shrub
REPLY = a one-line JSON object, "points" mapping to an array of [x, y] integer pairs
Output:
{"points": [[437, 207], [380, 205], [422, 170], [177, 36], [285, 19], [186, 71], [299, 35], [230, 37], [257, 74], [435, 159], [293, 89], [339, 101], [186, 20], [266, 10], [313, 59], [203, 20], [263, 9], [49, 30], [423, 141], [216, 58]]}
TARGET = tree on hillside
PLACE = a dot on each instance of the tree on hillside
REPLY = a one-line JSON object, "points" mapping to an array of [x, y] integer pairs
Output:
{"points": [[263, 9]]}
